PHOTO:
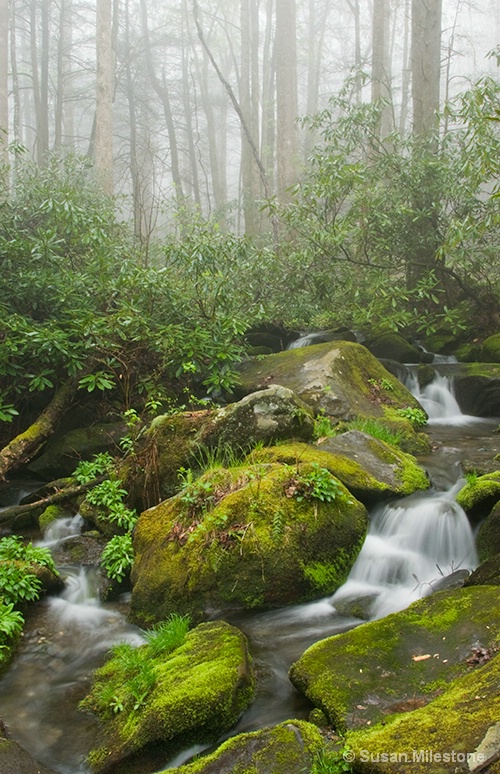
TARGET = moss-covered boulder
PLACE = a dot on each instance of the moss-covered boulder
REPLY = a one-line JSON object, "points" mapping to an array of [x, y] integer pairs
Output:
{"points": [[391, 345], [288, 747], [15, 760], [341, 378], [487, 574], [488, 536], [62, 453], [402, 661], [457, 732], [490, 350], [174, 441], [261, 534], [52, 513], [478, 496], [148, 698], [369, 468]]}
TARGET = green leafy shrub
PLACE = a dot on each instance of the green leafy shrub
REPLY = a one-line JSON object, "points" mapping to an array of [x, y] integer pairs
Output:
{"points": [[318, 484], [87, 470], [377, 430], [117, 557], [417, 416]]}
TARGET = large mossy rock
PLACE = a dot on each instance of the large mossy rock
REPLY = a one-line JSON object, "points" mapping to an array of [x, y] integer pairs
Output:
{"points": [[487, 574], [199, 690], [488, 536], [478, 497], [392, 346], [342, 378], [369, 468], [402, 661], [62, 454], [457, 732], [490, 351], [174, 441], [251, 536], [284, 749]]}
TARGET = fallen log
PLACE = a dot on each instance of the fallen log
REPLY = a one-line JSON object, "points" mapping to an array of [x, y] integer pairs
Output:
{"points": [[24, 446], [29, 511]]}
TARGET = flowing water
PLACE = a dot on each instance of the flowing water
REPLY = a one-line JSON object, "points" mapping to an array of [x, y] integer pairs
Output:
{"points": [[412, 543]]}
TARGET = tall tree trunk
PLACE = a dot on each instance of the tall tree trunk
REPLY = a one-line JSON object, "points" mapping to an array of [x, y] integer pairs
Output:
{"points": [[405, 85], [43, 128], [63, 128], [268, 127], [249, 173], [103, 142], [161, 88], [426, 69], [286, 97], [426, 72], [4, 80], [381, 64]]}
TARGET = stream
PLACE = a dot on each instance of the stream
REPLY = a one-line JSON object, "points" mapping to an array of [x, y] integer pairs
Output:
{"points": [[412, 543]]}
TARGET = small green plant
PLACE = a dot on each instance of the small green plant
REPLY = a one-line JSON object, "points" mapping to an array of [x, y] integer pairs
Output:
{"points": [[196, 493], [323, 427], [11, 625], [117, 557], [382, 383], [100, 380], [417, 416], [333, 761], [7, 411], [87, 470], [318, 484], [377, 430], [471, 477], [168, 635]]}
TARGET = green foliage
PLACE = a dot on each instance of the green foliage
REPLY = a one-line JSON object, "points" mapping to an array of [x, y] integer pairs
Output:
{"points": [[130, 671], [168, 635], [420, 225], [196, 493], [88, 470], [377, 429], [117, 557], [11, 626], [417, 416], [329, 761], [18, 582], [323, 427], [318, 484]]}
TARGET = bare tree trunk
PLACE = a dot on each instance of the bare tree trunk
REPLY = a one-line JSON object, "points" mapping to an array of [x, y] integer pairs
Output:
{"points": [[132, 114], [24, 446], [43, 128], [161, 88], [249, 173], [426, 69], [4, 80], [16, 122], [188, 106], [103, 142], [286, 97], [267, 147], [61, 135], [233, 99], [381, 65], [405, 87]]}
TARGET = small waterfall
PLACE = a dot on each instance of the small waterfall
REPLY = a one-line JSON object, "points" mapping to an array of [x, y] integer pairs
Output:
{"points": [[438, 399], [67, 638], [410, 546]]}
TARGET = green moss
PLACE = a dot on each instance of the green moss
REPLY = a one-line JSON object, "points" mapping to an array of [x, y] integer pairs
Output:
{"points": [[197, 691], [490, 351], [50, 514], [488, 536], [479, 496], [360, 676], [248, 546], [288, 747], [455, 722]]}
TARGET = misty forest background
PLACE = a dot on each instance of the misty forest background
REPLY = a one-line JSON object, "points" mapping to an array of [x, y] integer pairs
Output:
{"points": [[178, 174]]}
